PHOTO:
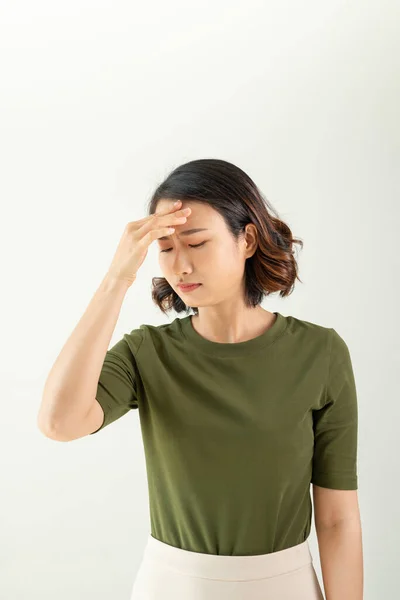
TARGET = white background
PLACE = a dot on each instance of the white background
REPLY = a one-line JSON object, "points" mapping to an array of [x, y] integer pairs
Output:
{"points": [[99, 101]]}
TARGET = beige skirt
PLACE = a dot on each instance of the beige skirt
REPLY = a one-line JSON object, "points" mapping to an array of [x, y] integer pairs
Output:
{"points": [[170, 573]]}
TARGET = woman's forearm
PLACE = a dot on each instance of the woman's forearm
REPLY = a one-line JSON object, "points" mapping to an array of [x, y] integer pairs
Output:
{"points": [[341, 557], [70, 387]]}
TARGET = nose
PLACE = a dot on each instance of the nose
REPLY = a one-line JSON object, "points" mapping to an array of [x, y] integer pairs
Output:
{"points": [[181, 265]]}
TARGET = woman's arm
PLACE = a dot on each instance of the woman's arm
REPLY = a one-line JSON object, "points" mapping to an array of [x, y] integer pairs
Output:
{"points": [[338, 528]]}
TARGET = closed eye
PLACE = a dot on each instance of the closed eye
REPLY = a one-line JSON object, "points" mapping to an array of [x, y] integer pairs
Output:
{"points": [[191, 246]]}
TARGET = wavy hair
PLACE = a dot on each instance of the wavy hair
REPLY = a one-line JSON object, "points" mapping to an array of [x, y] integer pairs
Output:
{"points": [[231, 192]]}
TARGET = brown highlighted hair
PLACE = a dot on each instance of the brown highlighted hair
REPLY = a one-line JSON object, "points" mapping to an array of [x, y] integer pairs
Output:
{"points": [[231, 192]]}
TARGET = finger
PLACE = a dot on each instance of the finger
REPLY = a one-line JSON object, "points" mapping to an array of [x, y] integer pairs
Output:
{"points": [[169, 208], [154, 234], [165, 211]]}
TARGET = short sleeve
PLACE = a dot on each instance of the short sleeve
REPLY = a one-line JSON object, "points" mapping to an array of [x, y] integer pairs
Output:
{"points": [[117, 385], [336, 423]]}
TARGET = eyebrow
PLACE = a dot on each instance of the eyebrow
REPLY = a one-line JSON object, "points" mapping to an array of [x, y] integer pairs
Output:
{"points": [[186, 232]]}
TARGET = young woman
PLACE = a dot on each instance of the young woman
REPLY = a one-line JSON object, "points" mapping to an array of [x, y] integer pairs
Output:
{"points": [[241, 409]]}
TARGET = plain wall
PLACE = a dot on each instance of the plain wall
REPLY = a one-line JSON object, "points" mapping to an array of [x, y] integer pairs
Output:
{"points": [[98, 102]]}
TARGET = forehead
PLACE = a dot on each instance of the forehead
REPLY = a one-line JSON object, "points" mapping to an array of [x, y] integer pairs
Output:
{"points": [[198, 208], [201, 215]]}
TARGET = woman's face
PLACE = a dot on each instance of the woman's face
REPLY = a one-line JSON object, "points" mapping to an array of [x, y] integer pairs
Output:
{"points": [[217, 264]]}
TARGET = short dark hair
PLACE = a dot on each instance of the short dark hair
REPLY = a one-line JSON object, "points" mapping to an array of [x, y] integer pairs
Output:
{"points": [[232, 193]]}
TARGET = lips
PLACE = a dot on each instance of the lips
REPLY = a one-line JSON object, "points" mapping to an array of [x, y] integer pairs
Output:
{"points": [[189, 286]]}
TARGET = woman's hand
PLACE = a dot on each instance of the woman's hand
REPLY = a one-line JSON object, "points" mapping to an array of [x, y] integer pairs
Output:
{"points": [[137, 237]]}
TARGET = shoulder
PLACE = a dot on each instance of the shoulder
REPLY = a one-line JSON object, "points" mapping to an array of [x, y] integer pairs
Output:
{"points": [[313, 328], [325, 337], [307, 331], [148, 333], [302, 325]]}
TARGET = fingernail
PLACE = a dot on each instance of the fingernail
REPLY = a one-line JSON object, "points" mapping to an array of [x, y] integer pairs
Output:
{"points": [[177, 202]]}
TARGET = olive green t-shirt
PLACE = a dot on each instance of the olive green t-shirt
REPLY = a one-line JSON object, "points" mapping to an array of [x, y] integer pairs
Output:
{"points": [[234, 433]]}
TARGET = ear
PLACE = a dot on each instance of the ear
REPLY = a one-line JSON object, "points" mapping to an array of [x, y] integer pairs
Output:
{"points": [[250, 239]]}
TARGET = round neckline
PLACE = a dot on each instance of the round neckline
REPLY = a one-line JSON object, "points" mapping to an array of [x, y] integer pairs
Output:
{"points": [[233, 348]]}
